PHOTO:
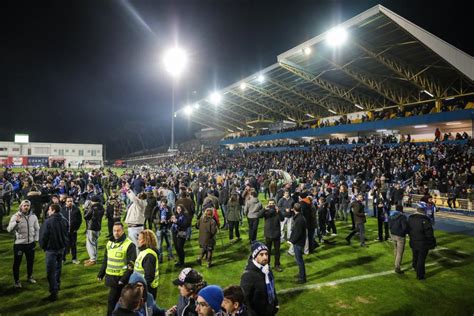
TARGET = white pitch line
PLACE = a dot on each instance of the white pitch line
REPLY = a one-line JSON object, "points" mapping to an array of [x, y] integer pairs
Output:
{"points": [[351, 279]]}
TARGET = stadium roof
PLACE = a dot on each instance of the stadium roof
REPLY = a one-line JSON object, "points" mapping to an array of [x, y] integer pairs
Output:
{"points": [[385, 61]]}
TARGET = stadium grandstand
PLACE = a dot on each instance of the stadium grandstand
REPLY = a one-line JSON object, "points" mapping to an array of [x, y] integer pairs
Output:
{"points": [[376, 72]]}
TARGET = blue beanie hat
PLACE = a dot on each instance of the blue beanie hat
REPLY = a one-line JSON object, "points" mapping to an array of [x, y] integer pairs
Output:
{"points": [[256, 248], [213, 295]]}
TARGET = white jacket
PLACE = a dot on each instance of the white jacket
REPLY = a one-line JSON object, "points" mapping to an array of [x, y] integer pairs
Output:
{"points": [[27, 230], [136, 211]]}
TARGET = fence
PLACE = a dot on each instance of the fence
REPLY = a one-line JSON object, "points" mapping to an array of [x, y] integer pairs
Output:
{"points": [[461, 205]]}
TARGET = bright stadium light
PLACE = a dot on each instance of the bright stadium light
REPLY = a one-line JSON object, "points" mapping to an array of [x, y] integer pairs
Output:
{"points": [[260, 78], [420, 126], [291, 119], [175, 60], [196, 106], [307, 51], [250, 126], [359, 106], [428, 93], [240, 129], [381, 130], [215, 98], [230, 130], [453, 123], [310, 115], [336, 36], [175, 114], [188, 110], [332, 111], [243, 86]]}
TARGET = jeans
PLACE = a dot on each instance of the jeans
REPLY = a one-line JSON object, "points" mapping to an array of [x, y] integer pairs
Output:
{"points": [[299, 261], [382, 226], [269, 242], [361, 228], [164, 234], [71, 246], [418, 262], [224, 214], [91, 243], [18, 251], [133, 233], [54, 263], [399, 248], [288, 222], [233, 226], [253, 228]]}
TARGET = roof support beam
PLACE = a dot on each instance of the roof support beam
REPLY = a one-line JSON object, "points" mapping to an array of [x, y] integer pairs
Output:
{"points": [[212, 124], [419, 78], [227, 101], [280, 115], [208, 109], [338, 91], [326, 105]]}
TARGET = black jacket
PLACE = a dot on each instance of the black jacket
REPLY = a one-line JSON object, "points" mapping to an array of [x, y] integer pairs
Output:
{"points": [[421, 232], [111, 280], [398, 224], [149, 265], [272, 229], [93, 216], [54, 233], [73, 216], [253, 285], [298, 231]]}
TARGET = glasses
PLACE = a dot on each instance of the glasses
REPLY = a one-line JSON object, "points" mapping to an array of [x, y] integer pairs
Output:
{"points": [[202, 304]]}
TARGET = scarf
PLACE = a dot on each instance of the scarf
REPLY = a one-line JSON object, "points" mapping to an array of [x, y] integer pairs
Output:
{"points": [[269, 281]]}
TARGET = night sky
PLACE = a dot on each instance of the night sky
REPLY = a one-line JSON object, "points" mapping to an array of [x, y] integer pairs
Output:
{"points": [[91, 71]]}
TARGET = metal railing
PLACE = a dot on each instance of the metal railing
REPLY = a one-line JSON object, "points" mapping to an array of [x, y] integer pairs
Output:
{"points": [[460, 205]]}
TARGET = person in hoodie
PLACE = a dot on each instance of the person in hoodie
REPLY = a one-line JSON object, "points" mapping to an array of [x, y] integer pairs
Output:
{"points": [[93, 215], [147, 261], [398, 229], [117, 266], [53, 240], [25, 225], [189, 283], [253, 209], [74, 217]]}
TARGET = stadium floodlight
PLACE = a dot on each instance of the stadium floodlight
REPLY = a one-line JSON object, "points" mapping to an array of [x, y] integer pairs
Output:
{"points": [[453, 123], [420, 126], [291, 119], [175, 114], [230, 130], [243, 86], [307, 51], [250, 126], [261, 78], [196, 105], [332, 111], [188, 110], [381, 130], [215, 98], [310, 115], [359, 106], [336, 36], [427, 92], [452, 98], [175, 60], [240, 129]]}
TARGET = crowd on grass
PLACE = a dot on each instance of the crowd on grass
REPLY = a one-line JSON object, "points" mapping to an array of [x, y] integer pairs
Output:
{"points": [[152, 213]]}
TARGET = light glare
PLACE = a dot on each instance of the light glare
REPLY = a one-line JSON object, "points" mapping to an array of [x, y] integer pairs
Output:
{"points": [[175, 60], [215, 98], [336, 36]]}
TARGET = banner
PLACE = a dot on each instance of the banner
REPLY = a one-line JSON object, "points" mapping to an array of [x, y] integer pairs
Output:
{"points": [[18, 161], [38, 161], [3, 161]]}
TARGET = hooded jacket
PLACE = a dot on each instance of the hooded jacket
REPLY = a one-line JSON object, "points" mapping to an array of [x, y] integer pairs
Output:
{"points": [[253, 208], [73, 216], [136, 211], [54, 233], [27, 230], [93, 216], [398, 224]]}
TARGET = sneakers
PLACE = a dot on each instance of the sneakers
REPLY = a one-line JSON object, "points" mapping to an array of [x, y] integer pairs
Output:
{"points": [[31, 280], [300, 281], [399, 271], [17, 285], [75, 261], [278, 269], [290, 253], [52, 297], [89, 263]]}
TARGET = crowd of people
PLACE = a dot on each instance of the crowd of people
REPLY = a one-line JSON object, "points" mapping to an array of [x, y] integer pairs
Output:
{"points": [[307, 193]]}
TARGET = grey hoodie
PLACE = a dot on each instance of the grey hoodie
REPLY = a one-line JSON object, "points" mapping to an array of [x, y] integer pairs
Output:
{"points": [[253, 208], [27, 230]]}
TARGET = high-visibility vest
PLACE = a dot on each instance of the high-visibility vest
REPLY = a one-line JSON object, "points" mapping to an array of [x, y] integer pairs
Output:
{"points": [[139, 268], [117, 257]]}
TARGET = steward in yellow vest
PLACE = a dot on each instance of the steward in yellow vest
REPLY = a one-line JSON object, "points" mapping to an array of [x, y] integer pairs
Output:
{"points": [[147, 261], [119, 259]]}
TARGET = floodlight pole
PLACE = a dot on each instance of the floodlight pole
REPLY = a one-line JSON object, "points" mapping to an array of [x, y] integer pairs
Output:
{"points": [[172, 114]]}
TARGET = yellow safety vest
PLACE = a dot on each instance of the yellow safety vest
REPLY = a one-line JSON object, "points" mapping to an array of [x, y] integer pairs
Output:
{"points": [[139, 268], [117, 257]]}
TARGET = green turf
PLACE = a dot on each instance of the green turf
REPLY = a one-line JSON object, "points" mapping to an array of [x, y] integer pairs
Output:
{"points": [[449, 288]]}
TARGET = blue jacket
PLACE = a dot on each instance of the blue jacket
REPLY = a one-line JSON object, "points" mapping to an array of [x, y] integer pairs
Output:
{"points": [[54, 233]]}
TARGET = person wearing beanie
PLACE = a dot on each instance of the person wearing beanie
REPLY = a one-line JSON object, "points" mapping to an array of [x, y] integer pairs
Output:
{"points": [[258, 284], [26, 227], [209, 301], [422, 240]]}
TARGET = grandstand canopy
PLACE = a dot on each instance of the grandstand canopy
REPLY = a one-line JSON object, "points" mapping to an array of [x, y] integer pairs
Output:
{"points": [[385, 61]]}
